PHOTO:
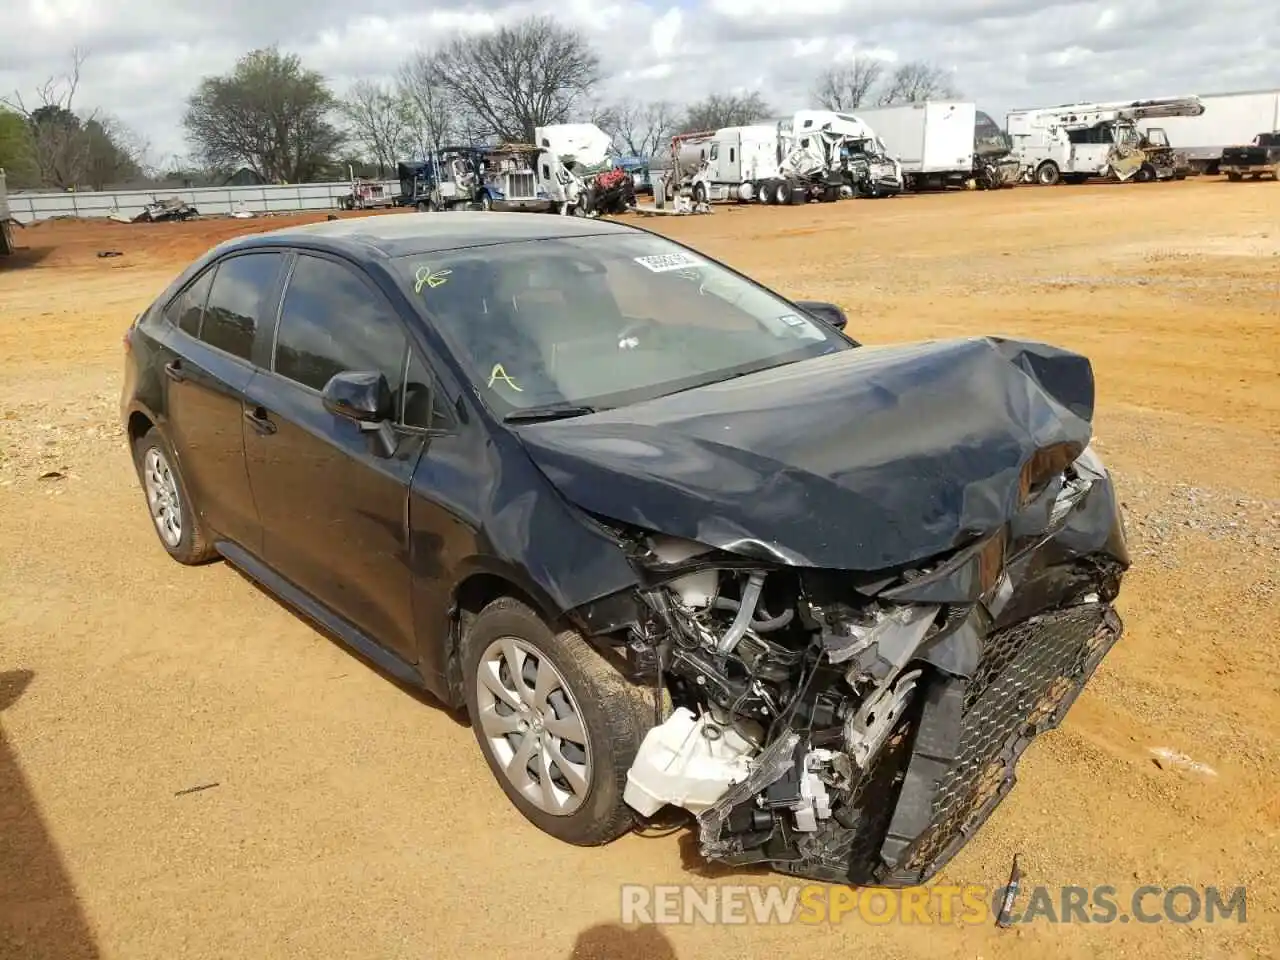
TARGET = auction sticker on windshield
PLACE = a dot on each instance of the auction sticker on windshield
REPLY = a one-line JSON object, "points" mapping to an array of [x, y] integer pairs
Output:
{"points": [[662, 262]]}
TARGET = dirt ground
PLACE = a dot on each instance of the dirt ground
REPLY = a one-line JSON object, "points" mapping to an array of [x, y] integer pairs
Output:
{"points": [[353, 819]]}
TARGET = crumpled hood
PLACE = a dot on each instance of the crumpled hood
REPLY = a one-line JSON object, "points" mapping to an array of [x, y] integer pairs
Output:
{"points": [[863, 460]]}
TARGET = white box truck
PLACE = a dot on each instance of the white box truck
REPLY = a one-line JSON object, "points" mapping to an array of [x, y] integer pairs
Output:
{"points": [[1229, 120], [944, 143]]}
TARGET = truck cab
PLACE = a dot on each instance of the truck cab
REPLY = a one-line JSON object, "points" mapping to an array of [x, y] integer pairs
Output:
{"points": [[736, 157]]}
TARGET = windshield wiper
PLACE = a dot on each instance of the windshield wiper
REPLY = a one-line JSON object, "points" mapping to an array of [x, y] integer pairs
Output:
{"points": [[550, 411]]}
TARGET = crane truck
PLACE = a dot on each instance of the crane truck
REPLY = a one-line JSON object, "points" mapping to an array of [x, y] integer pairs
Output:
{"points": [[1075, 141]]}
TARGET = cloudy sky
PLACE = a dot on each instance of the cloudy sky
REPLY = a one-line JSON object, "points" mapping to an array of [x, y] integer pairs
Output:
{"points": [[147, 55]]}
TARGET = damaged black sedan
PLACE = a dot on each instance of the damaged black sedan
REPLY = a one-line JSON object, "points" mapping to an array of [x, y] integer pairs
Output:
{"points": [[668, 537]]}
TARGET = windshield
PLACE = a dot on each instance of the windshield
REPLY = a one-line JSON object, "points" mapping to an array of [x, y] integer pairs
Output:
{"points": [[603, 321], [988, 138]]}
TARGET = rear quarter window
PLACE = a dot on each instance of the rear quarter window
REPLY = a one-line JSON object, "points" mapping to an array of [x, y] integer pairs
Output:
{"points": [[187, 308]]}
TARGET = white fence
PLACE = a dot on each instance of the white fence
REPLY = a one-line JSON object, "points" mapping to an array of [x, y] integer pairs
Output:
{"points": [[26, 207]]}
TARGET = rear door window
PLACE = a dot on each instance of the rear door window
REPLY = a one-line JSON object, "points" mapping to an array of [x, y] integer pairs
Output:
{"points": [[242, 292]]}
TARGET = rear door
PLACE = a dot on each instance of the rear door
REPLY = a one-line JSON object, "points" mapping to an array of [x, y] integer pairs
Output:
{"points": [[334, 512], [207, 369]]}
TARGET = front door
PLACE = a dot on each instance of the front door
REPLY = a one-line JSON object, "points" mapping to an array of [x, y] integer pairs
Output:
{"points": [[207, 370], [334, 509]]}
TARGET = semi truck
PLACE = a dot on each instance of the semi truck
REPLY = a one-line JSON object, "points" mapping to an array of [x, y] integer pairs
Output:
{"points": [[945, 143], [1076, 141], [811, 155], [6, 219], [565, 171], [1228, 120]]}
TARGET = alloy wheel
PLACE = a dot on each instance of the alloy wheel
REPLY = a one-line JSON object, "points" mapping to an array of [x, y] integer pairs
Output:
{"points": [[163, 498], [533, 726]]}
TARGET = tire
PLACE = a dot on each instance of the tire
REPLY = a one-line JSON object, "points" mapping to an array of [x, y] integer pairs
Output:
{"points": [[1048, 174], [699, 193], [1234, 177], [486, 201], [766, 193], [614, 716], [154, 459], [1146, 173], [782, 192]]}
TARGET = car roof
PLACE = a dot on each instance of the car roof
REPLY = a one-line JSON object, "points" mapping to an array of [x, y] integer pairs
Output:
{"points": [[409, 234]]}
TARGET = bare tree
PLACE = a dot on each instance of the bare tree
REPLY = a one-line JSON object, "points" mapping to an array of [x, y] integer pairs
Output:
{"points": [[915, 81], [59, 144], [378, 119], [847, 86], [724, 110], [431, 117], [642, 129], [270, 114], [532, 73]]}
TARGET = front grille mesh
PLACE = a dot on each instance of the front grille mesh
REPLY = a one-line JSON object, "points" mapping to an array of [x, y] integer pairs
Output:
{"points": [[1028, 675], [521, 186]]}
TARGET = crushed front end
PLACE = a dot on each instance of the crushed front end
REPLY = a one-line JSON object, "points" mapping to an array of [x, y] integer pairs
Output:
{"points": [[860, 727]]}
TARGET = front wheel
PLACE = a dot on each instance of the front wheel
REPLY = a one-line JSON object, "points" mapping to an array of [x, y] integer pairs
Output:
{"points": [[177, 523], [1048, 174], [486, 201], [557, 725], [699, 193]]}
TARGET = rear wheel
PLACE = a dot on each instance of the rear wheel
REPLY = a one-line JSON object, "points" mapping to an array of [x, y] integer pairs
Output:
{"points": [[1048, 174], [699, 193], [783, 191], [486, 201], [557, 725], [176, 521]]}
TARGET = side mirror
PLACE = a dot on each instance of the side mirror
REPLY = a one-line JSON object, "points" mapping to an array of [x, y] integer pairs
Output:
{"points": [[826, 312], [362, 396]]}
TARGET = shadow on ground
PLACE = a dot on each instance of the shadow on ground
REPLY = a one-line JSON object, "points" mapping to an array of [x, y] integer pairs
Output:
{"points": [[24, 257], [40, 915], [612, 941]]}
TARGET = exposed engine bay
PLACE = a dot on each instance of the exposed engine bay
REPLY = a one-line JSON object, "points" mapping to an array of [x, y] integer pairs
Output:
{"points": [[855, 727]]}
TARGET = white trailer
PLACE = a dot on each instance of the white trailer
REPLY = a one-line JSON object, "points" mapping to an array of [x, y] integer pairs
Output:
{"points": [[6, 219], [1075, 141], [936, 141], [1229, 120]]}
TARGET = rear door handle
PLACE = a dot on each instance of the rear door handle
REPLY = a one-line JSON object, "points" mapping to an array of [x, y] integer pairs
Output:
{"points": [[173, 370], [259, 420]]}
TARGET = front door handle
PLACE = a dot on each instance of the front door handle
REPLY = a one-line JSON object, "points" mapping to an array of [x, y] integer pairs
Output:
{"points": [[173, 370], [259, 420]]}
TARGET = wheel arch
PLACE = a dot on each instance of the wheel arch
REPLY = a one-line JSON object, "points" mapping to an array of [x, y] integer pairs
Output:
{"points": [[472, 593], [137, 425]]}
